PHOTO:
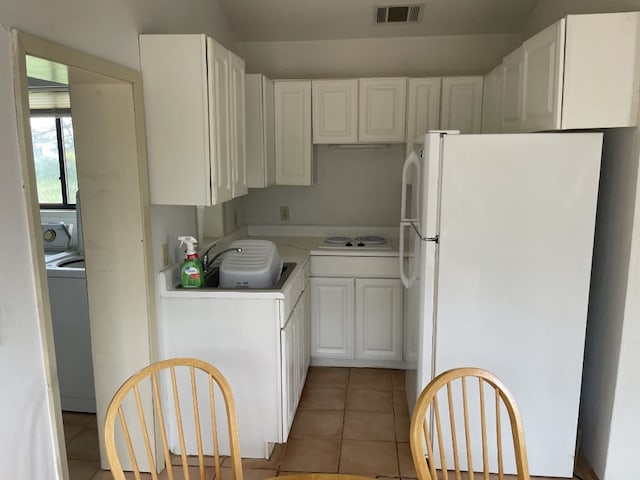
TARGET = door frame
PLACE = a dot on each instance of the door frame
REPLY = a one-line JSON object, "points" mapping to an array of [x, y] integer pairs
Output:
{"points": [[142, 330]]}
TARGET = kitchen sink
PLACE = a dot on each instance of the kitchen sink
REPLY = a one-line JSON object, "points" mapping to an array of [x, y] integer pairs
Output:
{"points": [[212, 280]]}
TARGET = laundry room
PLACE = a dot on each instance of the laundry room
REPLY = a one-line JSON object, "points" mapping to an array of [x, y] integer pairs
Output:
{"points": [[55, 165]]}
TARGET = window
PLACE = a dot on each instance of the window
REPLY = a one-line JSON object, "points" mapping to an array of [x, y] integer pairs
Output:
{"points": [[55, 159]]}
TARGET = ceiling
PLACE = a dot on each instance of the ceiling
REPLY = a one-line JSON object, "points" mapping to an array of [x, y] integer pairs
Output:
{"points": [[296, 20]]}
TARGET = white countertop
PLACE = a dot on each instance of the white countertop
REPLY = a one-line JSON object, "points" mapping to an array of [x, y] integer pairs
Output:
{"points": [[169, 279], [311, 245], [295, 244], [310, 237]]}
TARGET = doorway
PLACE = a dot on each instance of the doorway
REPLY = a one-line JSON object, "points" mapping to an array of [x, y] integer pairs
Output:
{"points": [[106, 103]]}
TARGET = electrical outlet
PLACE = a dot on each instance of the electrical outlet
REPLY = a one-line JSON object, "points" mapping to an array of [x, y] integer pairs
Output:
{"points": [[284, 214], [165, 254]]}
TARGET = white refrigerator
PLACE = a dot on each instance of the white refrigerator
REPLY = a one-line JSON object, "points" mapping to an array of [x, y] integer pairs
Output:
{"points": [[496, 241]]}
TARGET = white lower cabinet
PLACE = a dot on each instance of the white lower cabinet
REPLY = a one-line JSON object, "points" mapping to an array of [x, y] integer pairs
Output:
{"points": [[332, 318], [260, 343], [295, 360], [289, 354], [378, 315], [356, 321]]}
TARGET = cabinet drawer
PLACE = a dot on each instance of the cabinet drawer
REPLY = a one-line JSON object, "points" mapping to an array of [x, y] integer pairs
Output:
{"points": [[337, 266]]}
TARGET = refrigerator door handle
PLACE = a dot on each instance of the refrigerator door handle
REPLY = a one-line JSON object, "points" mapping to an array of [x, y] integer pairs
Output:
{"points": [[435, 239], [407, 280], [412, 160]]}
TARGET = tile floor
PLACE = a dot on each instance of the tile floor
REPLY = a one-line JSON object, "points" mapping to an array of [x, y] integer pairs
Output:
{"points": [[350, 420]]}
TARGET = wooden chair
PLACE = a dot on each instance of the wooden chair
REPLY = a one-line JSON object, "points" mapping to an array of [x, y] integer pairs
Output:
{"points": [[458, 417], [177, 408]]}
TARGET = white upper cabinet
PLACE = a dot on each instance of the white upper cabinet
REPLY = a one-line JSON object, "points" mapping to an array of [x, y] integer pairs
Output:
{"points": [[492, 101], [335, 111], [238, 126], [261, 154], [382, 109], [461, 104], [600, 84], [512, 75], [293, 147], [581, 72], [542, 60], [423, 107], [219, 77], [195, 134]]}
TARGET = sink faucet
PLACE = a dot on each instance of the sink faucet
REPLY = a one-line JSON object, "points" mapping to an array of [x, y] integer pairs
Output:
{"points": [[206, 263]]}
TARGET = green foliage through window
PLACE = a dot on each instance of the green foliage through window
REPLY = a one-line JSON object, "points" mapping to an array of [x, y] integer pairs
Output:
{"points": [[55, 160]]}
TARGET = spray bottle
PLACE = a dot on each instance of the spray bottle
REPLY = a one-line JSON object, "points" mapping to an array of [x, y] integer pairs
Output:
{"points": [[191, 275]]}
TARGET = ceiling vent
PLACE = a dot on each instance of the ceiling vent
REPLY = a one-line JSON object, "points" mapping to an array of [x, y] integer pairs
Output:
{"points": [[399, 14]]}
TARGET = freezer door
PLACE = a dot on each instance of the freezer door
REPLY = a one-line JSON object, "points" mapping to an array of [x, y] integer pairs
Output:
{"points": [[409, 241], [516, 233], [422, 238], [419, 204], [431, 160]]}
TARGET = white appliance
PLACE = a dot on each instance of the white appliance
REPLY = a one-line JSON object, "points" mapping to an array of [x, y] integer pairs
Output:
{"points": [[66, 278], [496, 241], [67, 282], [368, 242]]}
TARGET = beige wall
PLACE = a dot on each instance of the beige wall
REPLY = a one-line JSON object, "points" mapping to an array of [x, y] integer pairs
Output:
{"points": [[352, 188], [605, 356], [545, 12], [410, 56], [104, 29]]}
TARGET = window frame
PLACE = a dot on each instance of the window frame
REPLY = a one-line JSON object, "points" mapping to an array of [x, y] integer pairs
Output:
{"points": [[57, 113]]}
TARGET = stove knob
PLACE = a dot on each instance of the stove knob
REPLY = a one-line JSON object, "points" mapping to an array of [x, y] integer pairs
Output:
{"points": [[361, 244], [348, 244]]}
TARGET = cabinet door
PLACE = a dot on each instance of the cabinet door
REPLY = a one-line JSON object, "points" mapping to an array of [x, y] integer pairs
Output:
{"points": [[288, 341], [260, 135], [423, 108], [332, 323], [461, 104], [492, 93], [379, 319], [302, 351], [219, 122], [543, 59], [498, 106], [174, 73], [293, 132], [238, 128], [512, 75], [489, 94], [382, 109], [601, 75], [335, 111], [306, 321]]}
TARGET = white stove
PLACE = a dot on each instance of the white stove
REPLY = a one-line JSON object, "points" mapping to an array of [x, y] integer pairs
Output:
{"points": [[366, 242]]}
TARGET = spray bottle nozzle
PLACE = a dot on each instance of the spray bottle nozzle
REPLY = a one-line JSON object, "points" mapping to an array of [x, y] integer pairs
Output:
{"points": [[190, 242]]}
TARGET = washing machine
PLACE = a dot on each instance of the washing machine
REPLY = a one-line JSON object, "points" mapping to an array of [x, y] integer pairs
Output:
{"points": [[70, 315]]}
